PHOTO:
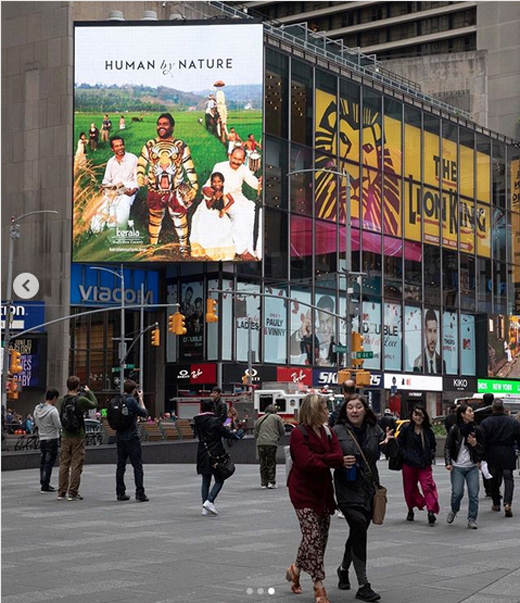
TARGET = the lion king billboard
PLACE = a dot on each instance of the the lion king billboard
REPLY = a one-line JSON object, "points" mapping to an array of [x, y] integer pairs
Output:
{"points": [[168, 142]]}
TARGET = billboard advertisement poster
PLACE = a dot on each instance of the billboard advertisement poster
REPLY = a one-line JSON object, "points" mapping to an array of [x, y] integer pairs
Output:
{"points": [[167, 132], [325, 327], [393, 342], [468, 364], [371, 331], [436, 205], [504, 346], [303, 343], [412, 336], [247, 316], [450, 347], [429, 360], [275, 327], [192, 306]]}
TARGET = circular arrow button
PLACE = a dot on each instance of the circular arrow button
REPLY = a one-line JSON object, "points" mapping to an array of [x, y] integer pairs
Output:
{"points": [[26, 285]]}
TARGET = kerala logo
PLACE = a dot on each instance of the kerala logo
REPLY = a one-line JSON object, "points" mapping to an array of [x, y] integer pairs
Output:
{"points": [[366, 190]]}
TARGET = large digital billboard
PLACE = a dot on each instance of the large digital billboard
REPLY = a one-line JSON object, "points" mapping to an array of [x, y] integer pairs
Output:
{"points": [[168, 140], [379, 199]]}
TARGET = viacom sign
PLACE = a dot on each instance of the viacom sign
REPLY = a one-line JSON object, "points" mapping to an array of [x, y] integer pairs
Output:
{"points": [[321, 378]]}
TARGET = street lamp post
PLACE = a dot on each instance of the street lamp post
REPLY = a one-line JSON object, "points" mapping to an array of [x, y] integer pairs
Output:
{"points": [[14, 233], [348, 251], [122, 345]]}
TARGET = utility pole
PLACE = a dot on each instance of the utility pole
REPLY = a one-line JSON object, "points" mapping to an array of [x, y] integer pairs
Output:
{"points": [[14, 233]]}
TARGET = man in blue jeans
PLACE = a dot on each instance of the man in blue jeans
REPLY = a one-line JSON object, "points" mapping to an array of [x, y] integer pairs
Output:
{"points": [[128, 445], [47, 419]]}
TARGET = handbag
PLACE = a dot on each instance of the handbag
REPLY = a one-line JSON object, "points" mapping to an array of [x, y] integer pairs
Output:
{"points": [[222, 466], [395, 463], [379, 500]]}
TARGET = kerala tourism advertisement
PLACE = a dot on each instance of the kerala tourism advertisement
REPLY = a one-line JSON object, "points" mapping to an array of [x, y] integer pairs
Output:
{"points": [[168, 142]]}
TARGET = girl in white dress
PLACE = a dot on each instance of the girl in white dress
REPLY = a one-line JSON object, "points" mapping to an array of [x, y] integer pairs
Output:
{"points": [[211, 236]]}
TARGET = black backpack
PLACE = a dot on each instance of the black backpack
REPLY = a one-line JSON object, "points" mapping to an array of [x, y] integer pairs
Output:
{"points": [[118, 414], [71, 417]]}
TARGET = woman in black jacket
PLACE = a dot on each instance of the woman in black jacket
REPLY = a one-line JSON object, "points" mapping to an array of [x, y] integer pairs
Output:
{"points": [[357, 428], [210, 431], [461, 456], [418, 445]]}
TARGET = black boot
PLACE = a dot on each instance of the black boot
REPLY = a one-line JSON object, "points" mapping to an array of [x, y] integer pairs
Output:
{"points": [[410, 515], [344, 583], [365, 593], [431, 518]]}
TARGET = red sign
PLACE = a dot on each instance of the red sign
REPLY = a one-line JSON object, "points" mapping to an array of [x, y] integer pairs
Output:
{"points": [[203, 373], [294, 375]]}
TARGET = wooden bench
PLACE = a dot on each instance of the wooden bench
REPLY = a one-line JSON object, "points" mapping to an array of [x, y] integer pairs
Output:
{"points": [[151, 432], [169, 430], [184, 427]]}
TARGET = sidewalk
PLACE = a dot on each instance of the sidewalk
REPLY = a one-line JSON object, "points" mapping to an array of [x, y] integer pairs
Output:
{"points": [[164, 551]]}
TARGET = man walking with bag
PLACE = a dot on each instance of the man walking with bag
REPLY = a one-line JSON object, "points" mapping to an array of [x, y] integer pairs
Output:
{"points": [[268, 431], [72, 408], [122, 416]]}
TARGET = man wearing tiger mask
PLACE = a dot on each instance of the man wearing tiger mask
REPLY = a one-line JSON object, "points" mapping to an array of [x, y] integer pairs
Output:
{"points": [[165, 166]]}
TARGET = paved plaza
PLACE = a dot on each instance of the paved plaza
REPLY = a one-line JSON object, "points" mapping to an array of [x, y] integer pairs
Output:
{"points": [[164, 551]]}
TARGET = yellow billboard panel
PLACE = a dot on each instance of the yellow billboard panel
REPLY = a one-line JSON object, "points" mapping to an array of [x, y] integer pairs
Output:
{"points": [[392, 192], [393, 144], [412, 152], [367, 190], [483, 177], [412, 211], [449, 166], [431, 153], [467, 172], [483, 230], [466, 225], [515, 185], [432, 212]]}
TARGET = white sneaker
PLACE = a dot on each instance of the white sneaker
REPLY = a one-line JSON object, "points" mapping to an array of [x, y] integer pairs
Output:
{"points": [[472, 524], [263, 487], [451, 517], [205, 512], [209, 506], [338, 513], [272, 486]]}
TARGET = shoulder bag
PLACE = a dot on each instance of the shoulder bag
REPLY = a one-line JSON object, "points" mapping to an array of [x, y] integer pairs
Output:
{"points": [[222, 466], [379, 499]]}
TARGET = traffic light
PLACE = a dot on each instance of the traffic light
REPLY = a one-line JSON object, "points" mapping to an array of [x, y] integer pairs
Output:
{"points": [[245, 380], [171, 323], [211, 310], [343, 375], [16, 364], [13, 388], [357, 346], [362, 378], [179, 324], [156, 337]]}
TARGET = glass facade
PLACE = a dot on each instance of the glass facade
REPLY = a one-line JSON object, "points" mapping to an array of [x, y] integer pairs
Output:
{"points": [[432, 208]]}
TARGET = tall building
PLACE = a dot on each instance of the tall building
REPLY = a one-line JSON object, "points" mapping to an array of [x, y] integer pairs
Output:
{"points": [[464, 53], [352, 158]]}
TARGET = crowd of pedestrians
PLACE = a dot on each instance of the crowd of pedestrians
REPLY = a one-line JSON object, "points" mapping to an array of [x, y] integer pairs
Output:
{"points": [[333, 463]]}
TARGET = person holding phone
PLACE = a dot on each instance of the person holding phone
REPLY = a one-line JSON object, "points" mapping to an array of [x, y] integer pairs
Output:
{"points": [[128, 444]]}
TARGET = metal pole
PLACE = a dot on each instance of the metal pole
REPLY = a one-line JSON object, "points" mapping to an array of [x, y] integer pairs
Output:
{"points": [[123, 340], [141, 343], [13, 234], [250, 353], [348, 271]]}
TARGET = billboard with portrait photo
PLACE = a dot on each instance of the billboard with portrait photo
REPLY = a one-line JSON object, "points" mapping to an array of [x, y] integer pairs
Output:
{"points": [[167, 134]]}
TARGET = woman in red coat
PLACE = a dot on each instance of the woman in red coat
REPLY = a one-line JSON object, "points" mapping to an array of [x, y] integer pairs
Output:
{"points": [[314, 451]]}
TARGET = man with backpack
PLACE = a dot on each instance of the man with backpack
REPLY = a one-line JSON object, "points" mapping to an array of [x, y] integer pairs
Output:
{"points": [[122, 416], [268, 431], [72, 408]]}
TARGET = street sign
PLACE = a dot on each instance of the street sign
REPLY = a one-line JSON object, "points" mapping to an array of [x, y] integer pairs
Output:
{"points": [[115, 369], [340, 349], [362, 355]]}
